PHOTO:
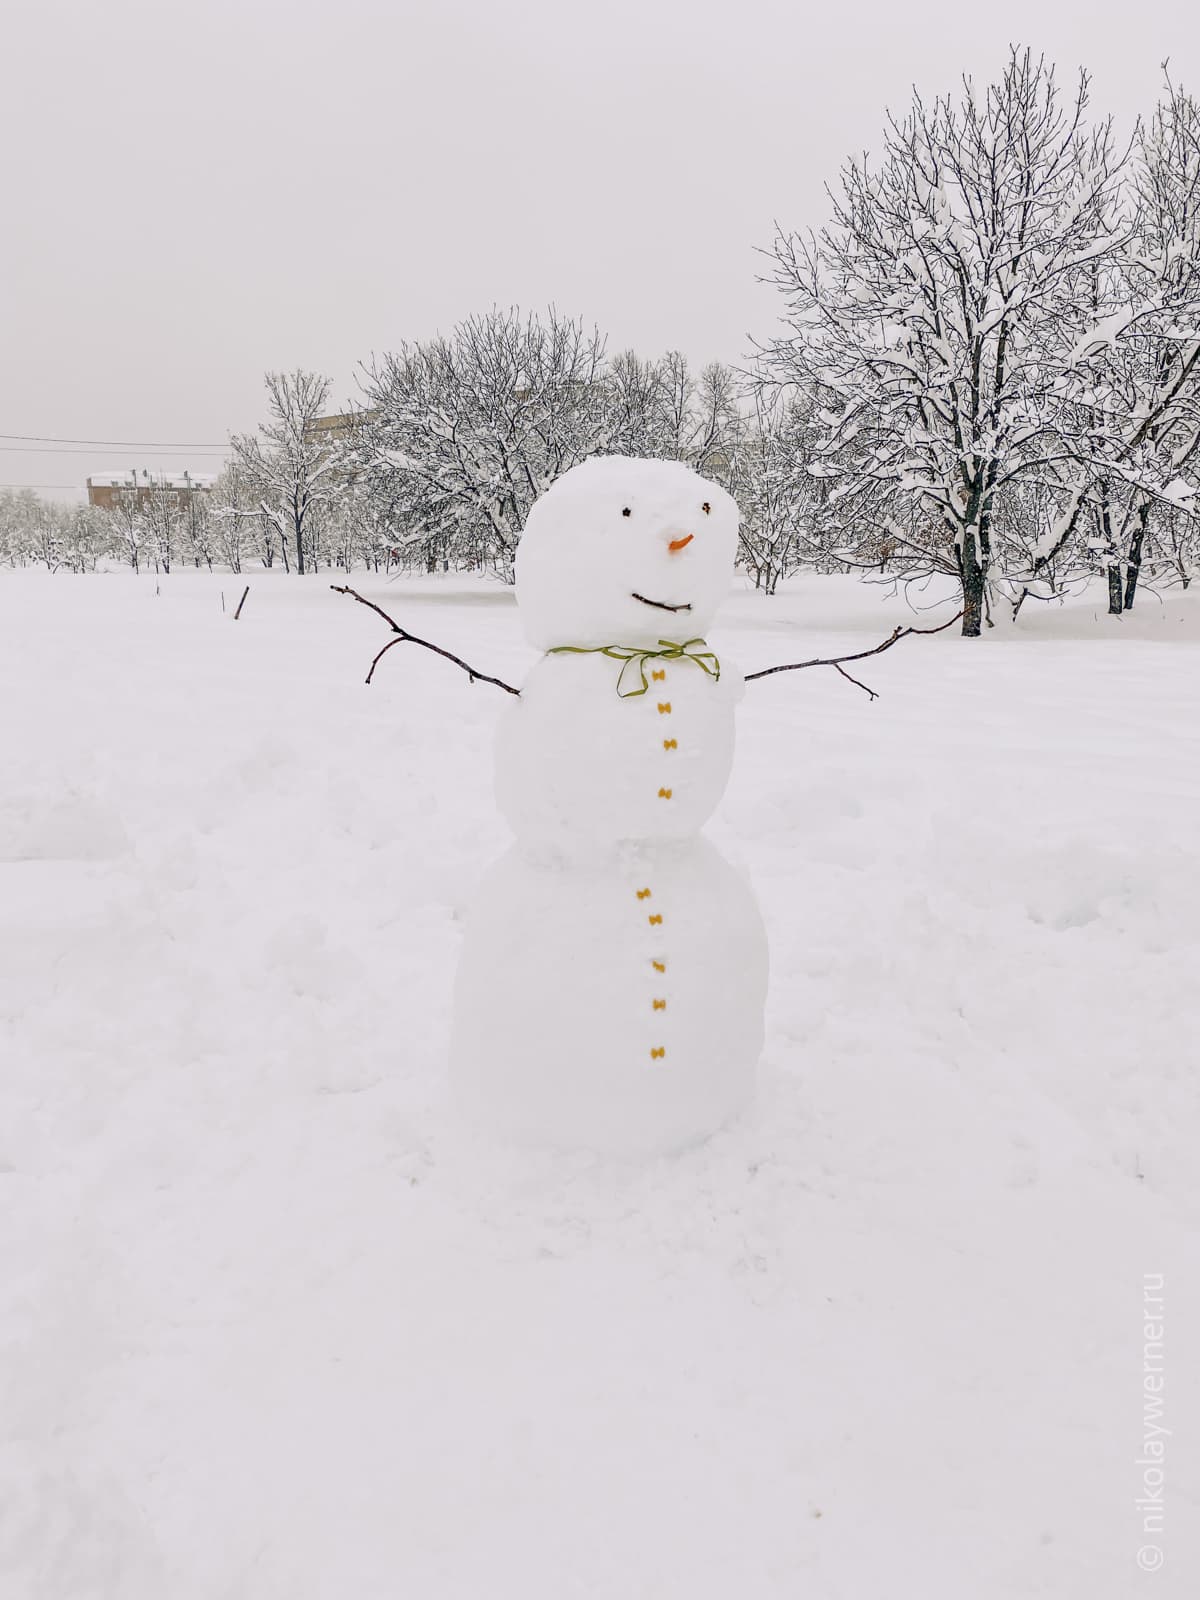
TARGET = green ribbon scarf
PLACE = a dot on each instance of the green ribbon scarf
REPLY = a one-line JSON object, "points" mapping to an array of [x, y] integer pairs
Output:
{"points": [[630, 655]]}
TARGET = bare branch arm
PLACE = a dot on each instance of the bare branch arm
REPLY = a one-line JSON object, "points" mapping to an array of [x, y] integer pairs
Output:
{"points": [[404, 637], [838, 662]]}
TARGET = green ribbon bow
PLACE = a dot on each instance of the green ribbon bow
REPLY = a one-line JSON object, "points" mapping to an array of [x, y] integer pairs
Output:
{"points": [[629, 654]]}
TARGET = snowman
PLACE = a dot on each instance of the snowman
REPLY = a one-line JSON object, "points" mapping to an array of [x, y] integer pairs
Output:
{"points": [[613, 974]]}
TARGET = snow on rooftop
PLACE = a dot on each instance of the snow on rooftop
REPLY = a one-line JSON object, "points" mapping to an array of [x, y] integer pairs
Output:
{"points": [[182, 479]]}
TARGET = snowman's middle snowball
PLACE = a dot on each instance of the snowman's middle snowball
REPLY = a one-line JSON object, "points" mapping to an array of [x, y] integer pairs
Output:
{"points": [[577, 762]]}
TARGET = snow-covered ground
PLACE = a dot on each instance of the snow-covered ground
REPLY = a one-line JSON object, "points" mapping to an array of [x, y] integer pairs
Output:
{"points": [[273, 1327]]}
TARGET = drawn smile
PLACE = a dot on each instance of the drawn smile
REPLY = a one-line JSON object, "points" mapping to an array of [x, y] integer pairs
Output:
{"points": [[661, 605]]}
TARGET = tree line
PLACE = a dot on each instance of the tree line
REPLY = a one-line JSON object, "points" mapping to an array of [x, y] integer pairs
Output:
{"points": [[987, 368]]}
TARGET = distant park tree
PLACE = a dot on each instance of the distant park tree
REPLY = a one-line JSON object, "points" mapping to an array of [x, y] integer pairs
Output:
{"points": [[291, 464], [162, 517], [661, 408], [234, 513], [776, 494], [472, 427], [1135, 365]]}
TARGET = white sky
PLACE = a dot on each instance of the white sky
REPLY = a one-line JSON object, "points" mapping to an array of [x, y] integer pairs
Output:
{"points": [[198, 190]]}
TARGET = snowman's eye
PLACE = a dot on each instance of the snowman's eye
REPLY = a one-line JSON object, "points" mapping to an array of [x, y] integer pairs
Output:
{"points": [[706, 508], [626, 512]]}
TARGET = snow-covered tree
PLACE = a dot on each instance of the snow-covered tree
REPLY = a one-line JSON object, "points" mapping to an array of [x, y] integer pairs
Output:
{"points": [[473, 427], [19, 510], [233, 514], [660, 408], [163, 520], [199, 527], [930, 317], [291, 464], [778, 497], [1175, 547], [126, 523], [47, 534], [83, 538], [1134, 372]]}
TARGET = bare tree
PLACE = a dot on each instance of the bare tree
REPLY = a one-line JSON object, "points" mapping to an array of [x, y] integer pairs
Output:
{"points": [[777, 496], [199, 527], [659, 408], [1175, 548], [163, 520], [233, 513], [635, 410], [19, 510], [83, 534], [126, 523], [473, 427], [291, 464], [1135, 365], [46, 532], [928, 317]]}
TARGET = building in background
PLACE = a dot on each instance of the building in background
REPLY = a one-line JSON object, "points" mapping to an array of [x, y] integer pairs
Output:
{"points": [[342, 428], [108, 488]]}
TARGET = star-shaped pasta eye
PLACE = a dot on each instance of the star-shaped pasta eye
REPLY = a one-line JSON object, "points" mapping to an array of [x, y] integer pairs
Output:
{"points": [[626, 512], [706, 508]]}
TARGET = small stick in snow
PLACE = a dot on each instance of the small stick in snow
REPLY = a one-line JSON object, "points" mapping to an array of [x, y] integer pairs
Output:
{"points": [[404, 637], [836, 662], [241, 602]]}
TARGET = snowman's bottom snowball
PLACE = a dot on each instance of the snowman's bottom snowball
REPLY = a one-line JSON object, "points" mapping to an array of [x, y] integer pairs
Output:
{"points": [[614, 1004]]}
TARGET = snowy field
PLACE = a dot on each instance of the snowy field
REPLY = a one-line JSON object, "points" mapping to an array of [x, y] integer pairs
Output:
{"points": [[273, 1327]]}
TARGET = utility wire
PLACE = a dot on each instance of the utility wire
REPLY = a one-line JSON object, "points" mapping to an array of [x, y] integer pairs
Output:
{"points": [[134, 444], [75, 450], [119, 450]]}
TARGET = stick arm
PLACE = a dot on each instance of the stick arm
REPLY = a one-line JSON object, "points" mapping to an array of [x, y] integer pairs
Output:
{"points": [[838, 663], [404, 637]]}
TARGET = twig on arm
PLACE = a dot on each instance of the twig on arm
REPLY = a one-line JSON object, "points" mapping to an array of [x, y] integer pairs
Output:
{"points": [[837, 662], [850, 678], [404, 637]]}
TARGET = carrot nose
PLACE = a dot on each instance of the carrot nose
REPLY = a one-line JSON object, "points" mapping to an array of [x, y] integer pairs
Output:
{"points": [[678, 544]]}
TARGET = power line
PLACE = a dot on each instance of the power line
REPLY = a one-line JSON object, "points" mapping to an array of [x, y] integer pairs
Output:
{"points": [[75, 450], [134, 444]]}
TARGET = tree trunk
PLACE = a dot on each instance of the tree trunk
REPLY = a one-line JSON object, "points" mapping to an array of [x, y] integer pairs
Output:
{"points": [[1135, 556], [973, 578], [1115, 598], [972, 625]]}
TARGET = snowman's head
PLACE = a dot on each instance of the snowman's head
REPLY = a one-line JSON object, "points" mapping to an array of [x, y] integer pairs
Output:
{"points": [[627, 552]]}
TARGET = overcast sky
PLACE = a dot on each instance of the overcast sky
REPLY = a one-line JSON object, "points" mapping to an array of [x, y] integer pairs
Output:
{"points": [[198, 190]]}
